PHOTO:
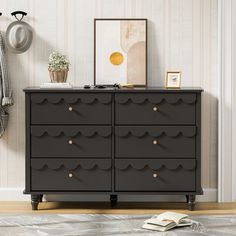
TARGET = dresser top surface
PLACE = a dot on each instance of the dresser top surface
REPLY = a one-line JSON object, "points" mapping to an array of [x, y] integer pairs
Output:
{"points": [[114, 90]]}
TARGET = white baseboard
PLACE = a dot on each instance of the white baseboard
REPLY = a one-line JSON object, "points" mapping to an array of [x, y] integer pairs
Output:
{"points": [[13, 194], [16, 194]]}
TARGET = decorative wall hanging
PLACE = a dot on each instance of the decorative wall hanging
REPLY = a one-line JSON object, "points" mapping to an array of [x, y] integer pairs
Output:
{"points": [[173, 79], [6, 99], [120, 51], [19, 34]]}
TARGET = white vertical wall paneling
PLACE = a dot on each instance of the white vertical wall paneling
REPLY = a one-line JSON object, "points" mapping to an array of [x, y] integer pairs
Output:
{"points": [[205, 67], [214, 98], [130, 8], [45, 37], [196, 40], [226, 104], [31, 53], [220, 93], [186, 54], [181, 36], [84, 43], [167, 35], [209, 70], [70, 25], [156, 26], [234, 103], [15, 147], [227, 110], [61, 25], [174, 34]]}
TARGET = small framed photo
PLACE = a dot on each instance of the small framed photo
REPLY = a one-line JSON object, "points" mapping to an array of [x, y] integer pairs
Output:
{"points": [[173, 79]]}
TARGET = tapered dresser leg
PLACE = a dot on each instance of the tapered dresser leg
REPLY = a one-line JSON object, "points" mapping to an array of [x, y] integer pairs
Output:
{"points": [[113, 200], [41, 198], [35, 199], [187, 197], [191, 202]]}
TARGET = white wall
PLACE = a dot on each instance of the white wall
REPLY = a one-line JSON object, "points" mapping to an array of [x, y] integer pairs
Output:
{"points": [[227, 98], [182, 35]]}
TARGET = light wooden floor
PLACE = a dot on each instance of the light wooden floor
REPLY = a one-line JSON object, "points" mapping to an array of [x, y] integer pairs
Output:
{"points": [[121, 208]]}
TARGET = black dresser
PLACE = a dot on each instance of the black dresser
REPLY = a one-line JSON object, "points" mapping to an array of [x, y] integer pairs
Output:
{"points": [[114, 141]]}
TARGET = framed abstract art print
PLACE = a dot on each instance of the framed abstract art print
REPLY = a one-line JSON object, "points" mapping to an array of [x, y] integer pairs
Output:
{"points": [[120, 54]]}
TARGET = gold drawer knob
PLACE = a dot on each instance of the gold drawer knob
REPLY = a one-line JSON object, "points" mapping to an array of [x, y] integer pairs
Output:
{"points": [[70, 175], [156, 108], [70, 109], [155, 142], [155, 175], [70, 142]]}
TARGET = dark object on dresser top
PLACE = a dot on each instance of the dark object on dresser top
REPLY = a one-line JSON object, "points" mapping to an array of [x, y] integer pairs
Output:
{"points": [[111, 89]]}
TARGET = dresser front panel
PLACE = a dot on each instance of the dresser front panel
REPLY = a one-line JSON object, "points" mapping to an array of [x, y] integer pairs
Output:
{"points": [[113, 140], [70, 108], [155, 108], [155, 175], [70, 175], [71, 141], [155, 141]]}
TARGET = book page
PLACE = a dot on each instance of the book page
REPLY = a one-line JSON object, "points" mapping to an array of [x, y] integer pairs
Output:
{"points": [[159, 222], [157, 228], [176, 217]]}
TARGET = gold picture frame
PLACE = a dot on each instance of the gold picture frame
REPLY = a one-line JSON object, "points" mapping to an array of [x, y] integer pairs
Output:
{"points": [[173, 79]]}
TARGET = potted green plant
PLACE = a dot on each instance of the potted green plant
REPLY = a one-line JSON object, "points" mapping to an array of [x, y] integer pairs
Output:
{"points": [[58, 67]]}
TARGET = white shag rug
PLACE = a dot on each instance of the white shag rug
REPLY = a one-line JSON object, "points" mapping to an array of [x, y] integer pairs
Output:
{"points": [[115, 225]]}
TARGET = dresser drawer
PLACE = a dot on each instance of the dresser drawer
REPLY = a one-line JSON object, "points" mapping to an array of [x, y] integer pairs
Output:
{"points": [[70, 175], [71, 108], [155, 175], [155, 108], [71, 141], [155, 141]]}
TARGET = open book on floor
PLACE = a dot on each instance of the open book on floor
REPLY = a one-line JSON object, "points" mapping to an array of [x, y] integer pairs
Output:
{"points": [[167, 221]]}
